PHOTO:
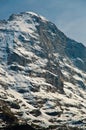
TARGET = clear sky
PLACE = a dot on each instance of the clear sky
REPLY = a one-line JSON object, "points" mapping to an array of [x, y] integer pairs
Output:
{"points": [[68, 15]]}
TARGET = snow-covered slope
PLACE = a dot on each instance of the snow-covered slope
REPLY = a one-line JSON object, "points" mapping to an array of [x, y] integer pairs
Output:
{"points": [[42, 74]]}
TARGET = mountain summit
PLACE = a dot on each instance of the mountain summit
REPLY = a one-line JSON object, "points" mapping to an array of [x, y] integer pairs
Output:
{"points": [[42, 75]]}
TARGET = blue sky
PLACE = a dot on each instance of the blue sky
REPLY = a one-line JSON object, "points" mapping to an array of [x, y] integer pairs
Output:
{"points": [[68, 15]]}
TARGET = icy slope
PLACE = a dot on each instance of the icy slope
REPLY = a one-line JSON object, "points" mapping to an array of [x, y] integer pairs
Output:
{"points": [[42, 74]]}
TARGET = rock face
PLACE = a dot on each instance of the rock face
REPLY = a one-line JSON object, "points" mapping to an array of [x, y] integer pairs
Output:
{"points": [[42, 75]]}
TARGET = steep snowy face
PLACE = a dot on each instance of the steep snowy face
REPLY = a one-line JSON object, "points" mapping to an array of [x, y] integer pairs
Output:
{"points": [[42, 74]]}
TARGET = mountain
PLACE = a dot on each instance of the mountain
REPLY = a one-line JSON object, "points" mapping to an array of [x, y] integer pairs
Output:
{"points": [[42, 75]]}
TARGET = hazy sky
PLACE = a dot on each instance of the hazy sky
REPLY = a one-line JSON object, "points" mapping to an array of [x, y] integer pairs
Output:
{"points": [[68, 15]]}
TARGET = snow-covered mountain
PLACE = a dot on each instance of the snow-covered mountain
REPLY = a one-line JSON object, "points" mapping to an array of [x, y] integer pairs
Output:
{"points": [[42, 75]]}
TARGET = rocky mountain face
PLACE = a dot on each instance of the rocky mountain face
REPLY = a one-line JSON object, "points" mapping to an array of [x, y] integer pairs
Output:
{"points": [[42, 75]]}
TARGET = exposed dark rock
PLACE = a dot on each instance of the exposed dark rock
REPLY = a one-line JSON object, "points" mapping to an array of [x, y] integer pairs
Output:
{"points": [[35, 112], [54, 80], [14, 105], [6, 114], [75, 52], [14, 57], [19, 127], [56, 113]]}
